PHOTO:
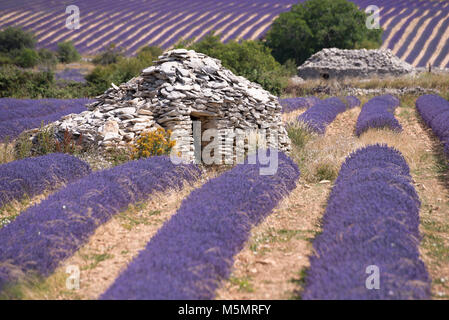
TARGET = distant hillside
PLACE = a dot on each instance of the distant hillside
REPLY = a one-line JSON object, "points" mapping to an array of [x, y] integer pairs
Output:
{"points": [[416, 30]]}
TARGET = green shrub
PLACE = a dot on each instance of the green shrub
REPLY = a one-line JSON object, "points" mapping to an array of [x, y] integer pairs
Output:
{"points": [[27, 58], [125, 69], [250, 59], [111, 55], [5, 59], [316, 24], [67, 52], [298, 134], [325, 171], [47, 58], [23, 146], [15, 38], [45, 142], [149, 53], [18, 83]]}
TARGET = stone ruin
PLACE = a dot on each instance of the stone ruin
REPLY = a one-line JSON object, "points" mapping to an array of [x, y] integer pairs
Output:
{"points": [[182, 87], [337, 64]]}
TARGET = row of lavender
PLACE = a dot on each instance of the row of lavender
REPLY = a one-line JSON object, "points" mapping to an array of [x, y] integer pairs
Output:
{"points": [[414, 29], [153, 22], [17, 115], [32, 176], [435, 112], [298, 103], [378, 113], [369, 245], [318, 117], [45, 234], [194, 251]]}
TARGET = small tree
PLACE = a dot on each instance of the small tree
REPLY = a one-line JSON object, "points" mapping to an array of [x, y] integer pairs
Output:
{"points": [[316, 24], [27, 58], [149, 52], [47, 58], [67, 52], [15, 39], [111, 55]]}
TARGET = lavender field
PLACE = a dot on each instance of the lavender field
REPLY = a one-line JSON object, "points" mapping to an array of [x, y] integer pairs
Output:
{"points": [[214, 172], [415, 30], [18, 115], [371, 217]]}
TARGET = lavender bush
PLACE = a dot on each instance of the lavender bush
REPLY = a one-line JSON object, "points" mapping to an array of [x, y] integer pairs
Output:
{"points": [[372, 218], [17, 115], [378, 113], [194, 250], [32, 176], [75, 75], [45, 234], [351, 101], [292, 104], [324, 112], [435, 112]]}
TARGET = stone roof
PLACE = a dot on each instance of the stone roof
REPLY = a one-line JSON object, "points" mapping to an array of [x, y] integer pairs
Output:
{"points": [[339, 63]]}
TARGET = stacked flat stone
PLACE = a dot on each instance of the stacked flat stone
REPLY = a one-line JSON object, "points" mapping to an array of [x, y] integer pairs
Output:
{"points": [[182, 86], [338, 63]]}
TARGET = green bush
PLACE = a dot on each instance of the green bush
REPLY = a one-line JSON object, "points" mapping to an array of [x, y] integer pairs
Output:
{"points": [[101, 77], [15, 38], [47, 58], [27, 58], [5, 59], [18, 83], [298, 134], [250, 59], [149, 53], [67, 52], [45, 142], [111, 55], [316, 24]]}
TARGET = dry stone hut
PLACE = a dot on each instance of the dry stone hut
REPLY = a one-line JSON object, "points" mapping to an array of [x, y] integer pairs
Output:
{"points": [[182, 87], [340, 63]]}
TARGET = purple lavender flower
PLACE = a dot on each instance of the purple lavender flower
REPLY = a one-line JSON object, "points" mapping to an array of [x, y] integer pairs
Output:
{"points": [[74, 75], [44, 235], [435, 112], [372, 219], [194, 250], [32, 176], [292, 104], [17, 115], [318, 117], [378, 113]]}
